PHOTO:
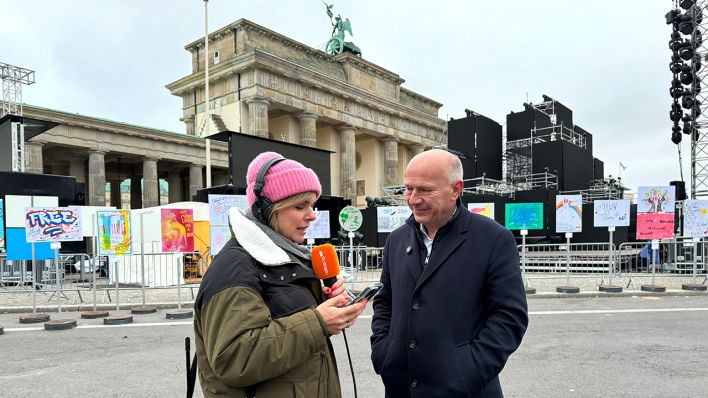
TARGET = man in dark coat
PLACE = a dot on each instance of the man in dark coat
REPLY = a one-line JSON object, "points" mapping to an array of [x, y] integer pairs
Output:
{"points": [[453, 305]]}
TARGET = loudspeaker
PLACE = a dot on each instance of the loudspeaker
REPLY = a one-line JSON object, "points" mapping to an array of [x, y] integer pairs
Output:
{"points": [[680, 189]]}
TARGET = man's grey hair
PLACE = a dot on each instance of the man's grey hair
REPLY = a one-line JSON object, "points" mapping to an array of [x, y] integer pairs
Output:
{"points": [[456, 170]]}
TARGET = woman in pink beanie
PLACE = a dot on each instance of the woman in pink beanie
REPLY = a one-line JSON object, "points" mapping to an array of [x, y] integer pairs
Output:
{"points": [[262, 321]]}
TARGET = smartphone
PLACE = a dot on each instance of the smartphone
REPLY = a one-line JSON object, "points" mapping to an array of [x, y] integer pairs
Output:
{"points": [[368, 293]]}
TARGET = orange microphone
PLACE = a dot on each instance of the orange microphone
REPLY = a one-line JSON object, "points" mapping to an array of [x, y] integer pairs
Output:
{"points": [[325, 263]]}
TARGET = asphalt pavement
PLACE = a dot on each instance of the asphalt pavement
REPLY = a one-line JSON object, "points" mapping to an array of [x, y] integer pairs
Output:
{"points": [[633, 346]]}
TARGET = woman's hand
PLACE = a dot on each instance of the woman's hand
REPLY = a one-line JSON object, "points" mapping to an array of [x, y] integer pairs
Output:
{"points": [[336, 289], [338, 317]]}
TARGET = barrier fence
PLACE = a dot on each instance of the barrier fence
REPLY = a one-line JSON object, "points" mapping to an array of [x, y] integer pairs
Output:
{"points": [[83, 279]]}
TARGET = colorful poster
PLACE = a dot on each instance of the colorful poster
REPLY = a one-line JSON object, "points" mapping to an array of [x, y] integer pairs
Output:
{"points": [[611, 213], [218, 236], [660, 199], [53, 224], [2, 226], [113, 232], [484, 209], [569, 213], [219, 206], [695, 218], [391, 217], [177, 227], [524, 215], [319, 229], [655, 226]]}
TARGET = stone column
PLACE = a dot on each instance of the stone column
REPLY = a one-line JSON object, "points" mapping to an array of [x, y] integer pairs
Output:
{"points": [[97, 179], [308, 129], [196, 181], [417, 149], [174, 183], [258, 116], [115, 193], [136, 192], [77, 169], [347, 171], [33, 157], [151, 191], [391, 161]]}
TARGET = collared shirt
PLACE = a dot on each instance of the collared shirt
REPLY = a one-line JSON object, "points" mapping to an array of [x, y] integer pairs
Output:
{"points": [[428, 241]]}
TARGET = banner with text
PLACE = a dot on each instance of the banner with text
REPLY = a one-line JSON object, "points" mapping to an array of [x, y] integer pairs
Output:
{"points": [[177, 226], [53, 224]]}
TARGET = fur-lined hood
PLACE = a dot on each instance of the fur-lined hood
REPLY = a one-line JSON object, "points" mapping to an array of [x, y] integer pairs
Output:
{"points": [[262, 243]]}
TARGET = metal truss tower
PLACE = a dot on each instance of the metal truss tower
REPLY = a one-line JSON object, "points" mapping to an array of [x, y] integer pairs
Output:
{"points": [[699, 138], [13, 77]]}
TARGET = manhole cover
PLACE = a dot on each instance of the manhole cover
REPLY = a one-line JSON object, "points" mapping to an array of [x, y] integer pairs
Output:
{"points": [[34, 318], [179, 314], [567, 289], [118, 320], [653, 288], [94, 314], [143, 310]]}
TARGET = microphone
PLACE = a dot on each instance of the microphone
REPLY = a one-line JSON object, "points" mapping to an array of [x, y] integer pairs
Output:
{"points": [[325, 263]]}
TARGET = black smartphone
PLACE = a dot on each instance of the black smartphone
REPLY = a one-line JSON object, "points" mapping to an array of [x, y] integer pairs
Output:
{"points": [[368, 293]]}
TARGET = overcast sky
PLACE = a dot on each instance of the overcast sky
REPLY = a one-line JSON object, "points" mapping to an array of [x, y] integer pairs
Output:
{"points": [[605, 60]]}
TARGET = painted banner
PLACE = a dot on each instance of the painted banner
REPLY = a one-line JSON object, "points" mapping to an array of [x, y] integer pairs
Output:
{"points": [[319, 229], [218, 236], [569, 213], [655, 212], [611, 213], [2, 226], [655, 225], [219, 206], [695, 218], [523, 215], [113, 232], [391, 217], [659, 199], [177, 227], [484, 209], [53, 224]]}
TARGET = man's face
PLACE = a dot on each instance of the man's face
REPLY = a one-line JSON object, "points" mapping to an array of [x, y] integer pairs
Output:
{"points": [[429, 193]]}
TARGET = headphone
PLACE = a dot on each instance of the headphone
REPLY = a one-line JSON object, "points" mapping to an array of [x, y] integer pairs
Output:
{"points": [[262, 207]]}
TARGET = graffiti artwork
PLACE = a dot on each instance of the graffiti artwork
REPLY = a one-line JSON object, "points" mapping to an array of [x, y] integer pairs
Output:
{"points": [[113, 232], [53, 224], [177, 230]]}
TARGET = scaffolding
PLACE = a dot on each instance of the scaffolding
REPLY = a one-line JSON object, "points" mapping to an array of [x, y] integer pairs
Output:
{"points": [[600, 189], [699, 113], [13, 77]]}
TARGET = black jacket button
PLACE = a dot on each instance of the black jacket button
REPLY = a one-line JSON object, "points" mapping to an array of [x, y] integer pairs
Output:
{"points": [[412, 344], [415, 305], [414, 383]]}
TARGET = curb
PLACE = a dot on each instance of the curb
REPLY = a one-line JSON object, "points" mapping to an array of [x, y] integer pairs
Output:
{"points": [[88, 307]]}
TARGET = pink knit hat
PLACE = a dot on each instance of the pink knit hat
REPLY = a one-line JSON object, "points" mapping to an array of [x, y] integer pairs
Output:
{"points": [[283, 179]]}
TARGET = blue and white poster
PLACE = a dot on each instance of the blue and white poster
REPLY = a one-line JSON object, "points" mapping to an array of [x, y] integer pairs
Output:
{"points": [[569, 213], [219, 206], [695, 218]]}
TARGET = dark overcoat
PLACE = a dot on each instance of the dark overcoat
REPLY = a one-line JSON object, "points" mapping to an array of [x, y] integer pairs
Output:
{"points": [[446, 329]]}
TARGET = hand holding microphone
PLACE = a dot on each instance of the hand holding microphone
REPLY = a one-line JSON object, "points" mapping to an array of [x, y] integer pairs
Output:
{"points": [[336, 316]]}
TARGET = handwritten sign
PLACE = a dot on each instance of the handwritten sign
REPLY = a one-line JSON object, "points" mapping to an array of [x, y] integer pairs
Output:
{"points": [[655, 225], [113, 232], [388, 218], [319, 229], [219, 206], [483, 209], [611, 213], [569, 213], [177, 226], [53, 224], [523, 215], [695, 218]]}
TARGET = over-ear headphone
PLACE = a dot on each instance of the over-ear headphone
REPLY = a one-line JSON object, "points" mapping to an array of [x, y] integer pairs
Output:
{"points": [[262, 206]]}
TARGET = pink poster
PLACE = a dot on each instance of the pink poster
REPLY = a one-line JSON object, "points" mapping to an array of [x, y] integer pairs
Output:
{"points": [[655, 225], [177, 230]]}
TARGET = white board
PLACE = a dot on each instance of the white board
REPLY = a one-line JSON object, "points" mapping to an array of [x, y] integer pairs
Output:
{"points": [[611, 213], [15, 207]]}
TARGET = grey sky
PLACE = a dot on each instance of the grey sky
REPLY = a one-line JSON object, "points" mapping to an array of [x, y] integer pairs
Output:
{"points": [[606, 60]]}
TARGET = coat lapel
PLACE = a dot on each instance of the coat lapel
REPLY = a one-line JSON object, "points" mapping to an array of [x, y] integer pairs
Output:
{"points": [[447, 245], [412, 257]]}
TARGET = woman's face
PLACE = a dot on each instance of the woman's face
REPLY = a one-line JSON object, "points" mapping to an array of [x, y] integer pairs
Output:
{"points": [[293, 221]]}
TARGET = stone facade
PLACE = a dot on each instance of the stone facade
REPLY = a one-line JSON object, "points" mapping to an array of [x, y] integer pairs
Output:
{"points": [[259, 78], [96, 151]]}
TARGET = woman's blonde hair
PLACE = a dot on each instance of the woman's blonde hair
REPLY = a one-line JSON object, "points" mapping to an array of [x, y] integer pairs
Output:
{"points": [[288, 202]]}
